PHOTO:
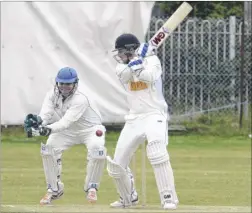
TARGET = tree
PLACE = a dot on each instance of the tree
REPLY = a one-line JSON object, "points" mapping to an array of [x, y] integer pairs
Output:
{"points": [[205, 9]]}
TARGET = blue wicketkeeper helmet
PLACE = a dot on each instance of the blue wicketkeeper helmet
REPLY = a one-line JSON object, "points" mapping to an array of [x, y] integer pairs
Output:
{"points": [[67, 75]]}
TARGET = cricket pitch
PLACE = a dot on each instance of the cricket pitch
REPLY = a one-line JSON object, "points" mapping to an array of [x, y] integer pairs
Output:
{"points": [[106, 208]]}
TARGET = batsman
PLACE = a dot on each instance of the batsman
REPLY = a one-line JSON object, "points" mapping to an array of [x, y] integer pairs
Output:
{"points": [[68, 117], [139, 71]]}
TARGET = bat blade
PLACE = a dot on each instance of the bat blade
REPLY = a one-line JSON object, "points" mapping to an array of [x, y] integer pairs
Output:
{"points": [[170, 25]]}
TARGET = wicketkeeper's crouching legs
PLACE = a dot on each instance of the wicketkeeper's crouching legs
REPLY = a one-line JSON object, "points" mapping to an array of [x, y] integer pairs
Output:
{"points": [[51, 159], [160, 161], [95, 167]]}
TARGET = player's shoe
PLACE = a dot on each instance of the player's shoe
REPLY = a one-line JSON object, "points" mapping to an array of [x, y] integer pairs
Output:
{"points": [[92, 195], [51, 195], [169, 204], [119, 203]]}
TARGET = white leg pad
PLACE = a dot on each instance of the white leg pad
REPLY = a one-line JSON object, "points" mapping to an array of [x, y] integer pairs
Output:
{"points": [[95, 167], [122, 181], [50, 164], [59, 163], [160, 161], [130, 174]]}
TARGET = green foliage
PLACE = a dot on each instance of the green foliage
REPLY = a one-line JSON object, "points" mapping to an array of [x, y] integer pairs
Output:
{"points": [[206, 9], [224, 124]]}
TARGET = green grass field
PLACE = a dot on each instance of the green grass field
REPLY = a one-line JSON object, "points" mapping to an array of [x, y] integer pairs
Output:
{"points": [[210, 172]]}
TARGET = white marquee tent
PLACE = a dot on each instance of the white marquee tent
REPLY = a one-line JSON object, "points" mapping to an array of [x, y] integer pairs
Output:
{"points": [[38, 38]]}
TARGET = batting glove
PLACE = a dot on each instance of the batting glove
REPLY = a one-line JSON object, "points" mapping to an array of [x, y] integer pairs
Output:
{"points": [[145, 50], [136, 64]]}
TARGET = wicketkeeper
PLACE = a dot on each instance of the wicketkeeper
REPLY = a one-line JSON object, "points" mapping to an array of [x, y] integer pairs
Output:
{"points": [[68, 117], [139, 70]]}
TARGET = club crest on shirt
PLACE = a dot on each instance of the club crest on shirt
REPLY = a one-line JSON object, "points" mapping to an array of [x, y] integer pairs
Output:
{"points": [[138, 85]]}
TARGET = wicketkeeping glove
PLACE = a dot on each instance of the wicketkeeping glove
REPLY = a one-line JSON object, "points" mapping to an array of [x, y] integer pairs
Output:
{"points": [[31, 121], [40, 131], [44, 131]]}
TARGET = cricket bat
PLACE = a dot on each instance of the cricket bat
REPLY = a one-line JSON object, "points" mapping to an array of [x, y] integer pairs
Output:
{"points": [[170, 25]]}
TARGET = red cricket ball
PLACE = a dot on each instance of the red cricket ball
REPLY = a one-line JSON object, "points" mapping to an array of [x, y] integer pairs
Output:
{"points": [[99, 133]]}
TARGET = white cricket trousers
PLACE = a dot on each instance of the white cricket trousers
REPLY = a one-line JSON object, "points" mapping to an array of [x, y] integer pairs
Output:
{"points": [[64, 140], [151, 128]]}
